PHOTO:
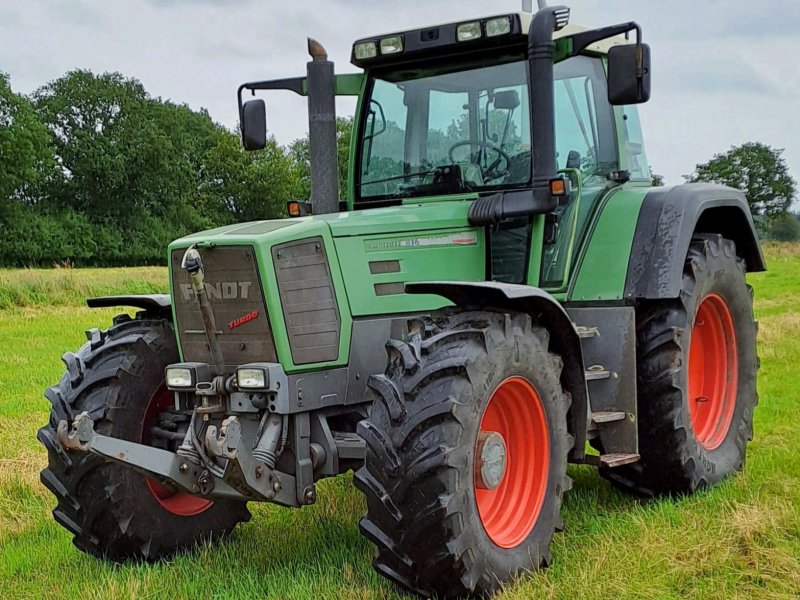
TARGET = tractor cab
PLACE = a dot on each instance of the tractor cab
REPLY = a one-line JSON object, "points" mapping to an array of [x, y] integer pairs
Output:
{"points": [[485, 110]]}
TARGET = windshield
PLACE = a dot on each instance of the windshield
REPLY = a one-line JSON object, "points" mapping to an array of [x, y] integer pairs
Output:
{"points": [[455, 131]]}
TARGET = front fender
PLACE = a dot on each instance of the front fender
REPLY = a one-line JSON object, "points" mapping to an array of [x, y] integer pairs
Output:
{"points": [[545, 310], [157, 304]]}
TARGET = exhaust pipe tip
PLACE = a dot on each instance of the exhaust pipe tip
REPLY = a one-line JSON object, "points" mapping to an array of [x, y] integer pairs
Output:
{"points": [[316, 50]]}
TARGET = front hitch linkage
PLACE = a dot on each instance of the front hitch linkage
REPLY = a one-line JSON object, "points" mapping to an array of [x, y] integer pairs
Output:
{"points": [[244, 476]]}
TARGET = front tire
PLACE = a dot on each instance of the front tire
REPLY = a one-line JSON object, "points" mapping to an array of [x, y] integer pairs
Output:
{"points": [[440, 523], [697, 368], [114, 512]]}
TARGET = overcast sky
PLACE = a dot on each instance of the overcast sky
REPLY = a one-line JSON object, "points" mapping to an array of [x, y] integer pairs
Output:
{"points": [[724, 71]]}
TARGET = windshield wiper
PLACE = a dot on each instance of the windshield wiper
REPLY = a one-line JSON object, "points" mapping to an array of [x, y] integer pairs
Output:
{"points": [[397, 177]]}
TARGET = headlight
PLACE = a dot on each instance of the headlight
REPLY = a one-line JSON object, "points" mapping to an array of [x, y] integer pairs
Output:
{"points": [[185, 376], [500, 26], [392, 45], [469, 31], [365, 50], [179, 377], [249, 378]]}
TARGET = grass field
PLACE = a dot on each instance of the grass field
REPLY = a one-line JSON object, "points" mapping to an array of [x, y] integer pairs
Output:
{"points": [[739, 540]]}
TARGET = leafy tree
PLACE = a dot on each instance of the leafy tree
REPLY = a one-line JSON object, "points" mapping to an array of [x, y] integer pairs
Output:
{"points": [[757, 170], [123, 155], [784, 228], [658, 180], [250, 185], [96, 138], [25, 154], [300, 153]]}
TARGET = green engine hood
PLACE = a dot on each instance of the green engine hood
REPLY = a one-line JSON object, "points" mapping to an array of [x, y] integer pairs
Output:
{"points": [[376, 221]]}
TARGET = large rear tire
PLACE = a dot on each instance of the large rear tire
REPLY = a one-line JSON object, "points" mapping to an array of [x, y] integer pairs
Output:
{"points": [[441, 524], [114, 512], [697, 368]]}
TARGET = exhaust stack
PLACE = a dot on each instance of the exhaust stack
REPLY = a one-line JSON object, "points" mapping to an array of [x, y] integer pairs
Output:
{"points": [[322, 131]]}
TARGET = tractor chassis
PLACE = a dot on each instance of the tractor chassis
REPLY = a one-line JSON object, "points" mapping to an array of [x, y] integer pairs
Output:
{"points": [[297, 408]]}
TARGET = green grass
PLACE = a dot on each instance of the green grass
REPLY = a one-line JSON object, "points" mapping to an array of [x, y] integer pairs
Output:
{"points": [[68, 286], [739, 540]]}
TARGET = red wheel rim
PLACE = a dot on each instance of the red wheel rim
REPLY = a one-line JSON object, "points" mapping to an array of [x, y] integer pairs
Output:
{"points": [[713, 372], [509, 512], [175, 502]]}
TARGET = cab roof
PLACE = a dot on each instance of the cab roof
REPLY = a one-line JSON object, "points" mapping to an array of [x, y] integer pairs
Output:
{"points": [[442, 40]]}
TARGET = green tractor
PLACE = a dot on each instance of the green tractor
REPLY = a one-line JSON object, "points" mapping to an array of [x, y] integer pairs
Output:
{"points": [[500, 293]]}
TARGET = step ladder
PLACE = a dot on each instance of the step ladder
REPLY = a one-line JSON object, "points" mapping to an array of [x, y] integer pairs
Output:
{"points": [[612, 417]]}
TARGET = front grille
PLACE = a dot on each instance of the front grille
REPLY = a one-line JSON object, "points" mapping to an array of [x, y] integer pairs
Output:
{"points": [[237, 298]]}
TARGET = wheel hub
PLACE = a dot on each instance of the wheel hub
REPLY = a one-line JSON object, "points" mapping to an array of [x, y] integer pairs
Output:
{"points": [[492, 460]]}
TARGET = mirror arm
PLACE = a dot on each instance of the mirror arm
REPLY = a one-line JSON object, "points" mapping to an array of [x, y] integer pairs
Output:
{"points": [[581, 41], [291, 84]]}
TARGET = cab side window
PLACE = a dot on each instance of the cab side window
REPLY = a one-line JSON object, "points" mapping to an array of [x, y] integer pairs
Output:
{"points": [[585, 137], [633, 144]]}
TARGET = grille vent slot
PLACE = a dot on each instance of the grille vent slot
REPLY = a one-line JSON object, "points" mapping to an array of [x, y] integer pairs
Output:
{"points": [[308, 299]]}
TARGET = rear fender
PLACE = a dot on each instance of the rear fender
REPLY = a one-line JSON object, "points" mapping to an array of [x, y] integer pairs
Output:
{"points": [[543, 309], [667, 221]]}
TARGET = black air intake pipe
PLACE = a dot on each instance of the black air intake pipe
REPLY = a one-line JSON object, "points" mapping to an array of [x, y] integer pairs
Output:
{"points": [[322, 131], [541, 52], [489, 210]]}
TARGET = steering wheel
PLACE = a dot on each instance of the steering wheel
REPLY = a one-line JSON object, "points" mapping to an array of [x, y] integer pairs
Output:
{"points": [[490, 172]]}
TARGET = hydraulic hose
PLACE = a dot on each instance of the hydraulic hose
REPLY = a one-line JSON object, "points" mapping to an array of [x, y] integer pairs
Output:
{"points": [[193, 263]]}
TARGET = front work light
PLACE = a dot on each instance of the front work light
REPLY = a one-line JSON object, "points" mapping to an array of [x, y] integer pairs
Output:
{"points": [[366, 50], [249, 378], [185, 376], [499, 26], [392, 45], [179, 377], [469, 31]]}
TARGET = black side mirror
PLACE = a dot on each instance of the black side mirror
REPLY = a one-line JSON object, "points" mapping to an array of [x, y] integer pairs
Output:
{"points": [[254, 124], [629, 74], [573, 160]]}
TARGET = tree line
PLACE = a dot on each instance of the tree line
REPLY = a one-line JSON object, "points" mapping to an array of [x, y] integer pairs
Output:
{"points": [[96, 171]]}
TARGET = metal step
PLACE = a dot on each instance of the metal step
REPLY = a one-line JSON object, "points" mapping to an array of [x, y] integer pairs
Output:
{"points": [[597, 372], [608, 416], [617, 460], [587, 332], [350, 445]]}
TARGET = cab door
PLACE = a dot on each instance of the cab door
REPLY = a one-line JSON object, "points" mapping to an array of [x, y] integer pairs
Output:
{"points": [[587, 154]]}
